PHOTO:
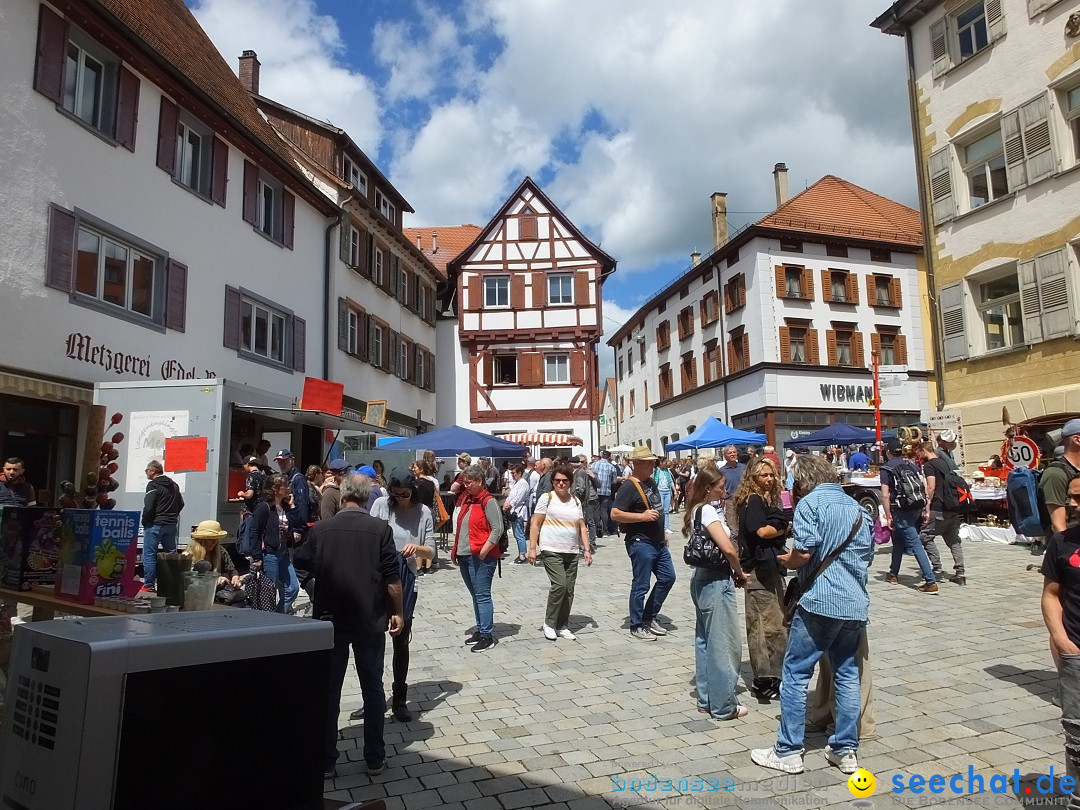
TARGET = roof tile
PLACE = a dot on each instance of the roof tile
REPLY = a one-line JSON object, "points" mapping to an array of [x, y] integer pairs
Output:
{"points": [[442, 244]]}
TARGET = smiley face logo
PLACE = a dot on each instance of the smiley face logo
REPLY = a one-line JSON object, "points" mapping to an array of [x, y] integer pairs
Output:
{"points": [[862, 784]]}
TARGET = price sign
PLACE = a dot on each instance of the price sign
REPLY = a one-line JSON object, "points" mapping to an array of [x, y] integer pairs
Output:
{"points": [[1022, 452]]}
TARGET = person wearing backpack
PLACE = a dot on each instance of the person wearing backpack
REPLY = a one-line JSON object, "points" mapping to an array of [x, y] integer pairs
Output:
{"points": [[942, 513], [1054, 482], [903, 496]]}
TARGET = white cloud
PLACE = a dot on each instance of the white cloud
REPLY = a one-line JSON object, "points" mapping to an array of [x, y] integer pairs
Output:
{"points": [[301, 53]]}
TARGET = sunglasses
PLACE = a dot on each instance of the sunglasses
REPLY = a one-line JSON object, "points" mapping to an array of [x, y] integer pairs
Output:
{"points": [[402, 494], [561, 481]]}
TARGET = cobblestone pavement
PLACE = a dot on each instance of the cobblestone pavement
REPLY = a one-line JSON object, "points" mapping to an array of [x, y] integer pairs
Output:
{"points": [[963, 679]]}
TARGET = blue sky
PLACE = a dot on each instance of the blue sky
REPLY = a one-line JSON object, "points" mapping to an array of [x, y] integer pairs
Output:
{"points": [[629, 113]]}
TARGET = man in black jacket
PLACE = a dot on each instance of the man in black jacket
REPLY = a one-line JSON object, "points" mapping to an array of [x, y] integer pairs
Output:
{"points": [[160, 519], [357, 587]]}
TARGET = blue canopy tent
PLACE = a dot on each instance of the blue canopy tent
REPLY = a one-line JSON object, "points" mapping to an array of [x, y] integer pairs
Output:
{"points": [[715, 433], [456, 439], [838, 434]]}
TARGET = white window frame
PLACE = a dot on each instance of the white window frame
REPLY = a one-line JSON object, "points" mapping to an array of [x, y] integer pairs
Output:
{"points": [[354, 246], [555, 364], [250, 309], [377, 347], [498, 372], [194, 176], [984, 307], [386, 208], [133, 254], [983, 165], [269, 196], [972, 28], [421, 370], [840, 276], [422, 297], [403, 360], [497, 285], [74, 87], [789, 274], [565, 295], [1071, 117], [945, 34], [354, 331], [890, 358], [353, 176], [845, 341], [378, 269], [403, 286]]}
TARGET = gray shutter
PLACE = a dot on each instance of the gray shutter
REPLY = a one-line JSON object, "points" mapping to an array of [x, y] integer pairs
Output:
{"points": [[127, 108], [362, 335], [343, 325], [176, 295], [344, 242], [372, 326], [1057, 317], [995, 20], [395, 270], [941, 188], [251, 193], [368, 262], [1029, 301], [60, 258], [51, 54], [231, 336], [288, 217], [1038, 147], [392, 352], [219, 171], [939, 47], [954, 336], [1015, 167], [168, 123], [299, 344]]}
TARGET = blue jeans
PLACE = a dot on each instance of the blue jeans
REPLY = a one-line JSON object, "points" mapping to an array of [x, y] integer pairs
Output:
{"points": [[717, 643], [665, 500], [647, 559], [810, 637], [280, 567], [906, 538], [368, 651], [478, 575], [520, 535], [161, 536]]}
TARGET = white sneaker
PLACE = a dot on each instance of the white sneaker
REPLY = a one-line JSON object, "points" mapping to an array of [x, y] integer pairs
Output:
{"points": [[768, 758], [549, 633], [565, 633], [847, 763]]}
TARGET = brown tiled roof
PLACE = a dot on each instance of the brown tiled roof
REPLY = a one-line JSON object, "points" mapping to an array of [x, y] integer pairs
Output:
{"points": [[833, 206], [172, 32], [449, 240]]}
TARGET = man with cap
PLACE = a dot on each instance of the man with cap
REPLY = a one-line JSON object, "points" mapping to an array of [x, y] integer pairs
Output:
{"points": [[946, 445], [298, 485], [640, 511], [1054, 481], [605, 479], [904, 520], [376, 491], [330, 504]]}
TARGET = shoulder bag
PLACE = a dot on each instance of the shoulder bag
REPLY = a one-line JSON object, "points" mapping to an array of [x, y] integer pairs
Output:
{"points": [[796, 589], [700, 550], [626, 527]]}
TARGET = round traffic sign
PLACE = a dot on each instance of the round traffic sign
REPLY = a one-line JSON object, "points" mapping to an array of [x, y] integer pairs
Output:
{"points": [[1022, 452]]}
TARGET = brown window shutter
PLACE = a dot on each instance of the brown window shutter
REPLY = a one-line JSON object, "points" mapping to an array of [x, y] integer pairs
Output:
{"points": [[530, 369], [732, 358], [830, 346], [487, 369], [852, 288], [127, 108], [168, 121], [51, 54], [577, 368], [689, 320], [527, 228], [251, 191], [362, 335], [288, 217], [60, 261], [871, 290], [176, 295], [900, 350], [394, 346], [344, 241], [706, 365], [389, 282], [299, 343], [693, 372], [539, 290], [812, 356], [343, 325], [517, 291], [895, 297], [476, 300], [807, 286], [781, 288], [742, 290], [746, 350], [875, 344], [785, 344], [219, 171], [826, 285], [703, 305], [857, 356], [582, 298], [729, 303], [231, 337]]}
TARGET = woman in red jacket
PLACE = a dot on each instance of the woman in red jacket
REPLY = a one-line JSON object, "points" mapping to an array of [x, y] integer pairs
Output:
{"points": [[478, 524]]}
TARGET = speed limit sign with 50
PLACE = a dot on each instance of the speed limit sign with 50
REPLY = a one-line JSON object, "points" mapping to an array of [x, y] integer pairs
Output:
{"points": [[1022, 452]]}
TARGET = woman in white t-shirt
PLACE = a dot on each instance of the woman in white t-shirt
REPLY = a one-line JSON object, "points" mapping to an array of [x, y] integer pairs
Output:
{"points": [[717, 634], [559, 532]]}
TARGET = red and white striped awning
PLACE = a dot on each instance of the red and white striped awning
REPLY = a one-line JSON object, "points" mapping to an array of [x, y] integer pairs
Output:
{"points": [[543, 439]]}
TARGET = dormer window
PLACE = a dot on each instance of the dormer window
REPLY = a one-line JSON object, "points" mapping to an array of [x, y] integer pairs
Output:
{"points": [[354, 177], [386, 208]]}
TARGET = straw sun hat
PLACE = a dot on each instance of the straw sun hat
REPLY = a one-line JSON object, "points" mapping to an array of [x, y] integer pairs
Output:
{"points": [[209, 530]]}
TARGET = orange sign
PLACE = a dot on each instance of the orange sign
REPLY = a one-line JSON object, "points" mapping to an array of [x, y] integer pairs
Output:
{"points": [[185, 454], [322, 395]]}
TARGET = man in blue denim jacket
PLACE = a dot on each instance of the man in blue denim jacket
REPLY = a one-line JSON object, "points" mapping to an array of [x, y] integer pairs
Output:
{"points": [[832, 613]]}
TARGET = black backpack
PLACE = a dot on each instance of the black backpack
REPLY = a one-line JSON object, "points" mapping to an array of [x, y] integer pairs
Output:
{"points": [[955, 493], [908, 490]]}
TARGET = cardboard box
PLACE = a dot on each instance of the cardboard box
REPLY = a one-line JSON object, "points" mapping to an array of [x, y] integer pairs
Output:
{"points": [[29, 542], [97, 554]]}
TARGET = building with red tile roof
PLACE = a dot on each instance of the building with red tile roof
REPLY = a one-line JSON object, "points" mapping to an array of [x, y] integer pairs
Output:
{"points": [[441, 244]]}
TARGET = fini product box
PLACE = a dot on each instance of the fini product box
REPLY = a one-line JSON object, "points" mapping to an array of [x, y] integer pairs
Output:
{"points": [[29, 546], [97, 554]]}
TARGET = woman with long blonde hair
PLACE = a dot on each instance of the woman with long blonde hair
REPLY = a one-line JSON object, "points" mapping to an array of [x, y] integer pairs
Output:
{"points": [[762, 528], [717, 646]]}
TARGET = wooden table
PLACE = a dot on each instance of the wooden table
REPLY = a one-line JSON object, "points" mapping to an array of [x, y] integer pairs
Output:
{"points": [[46, 606]]}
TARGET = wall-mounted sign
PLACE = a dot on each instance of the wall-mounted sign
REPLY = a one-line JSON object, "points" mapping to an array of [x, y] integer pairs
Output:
{"points": [[85, 349], [831, 392]]}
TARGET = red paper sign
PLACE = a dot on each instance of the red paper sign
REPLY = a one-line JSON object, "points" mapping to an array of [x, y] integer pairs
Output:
{"points": [[185, 454], [322, 395]]}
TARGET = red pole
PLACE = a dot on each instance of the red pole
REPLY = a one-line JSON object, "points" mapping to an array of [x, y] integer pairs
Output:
{"points": [[877, 399]]}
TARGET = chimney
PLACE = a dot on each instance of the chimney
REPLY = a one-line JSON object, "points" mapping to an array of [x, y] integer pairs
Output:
{"points": [[249, 71], [719, 219], [419, 246], [779, 174], [434, 243], [695, 258]]}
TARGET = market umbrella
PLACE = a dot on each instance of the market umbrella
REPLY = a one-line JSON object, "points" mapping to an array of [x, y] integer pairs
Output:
{"points": [[545, 439], [715, 433], [838, 434], [456, 439], [621, 448]]}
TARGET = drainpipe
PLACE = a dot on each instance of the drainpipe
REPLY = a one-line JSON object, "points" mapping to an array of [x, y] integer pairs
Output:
{"points": [[615, 401], [328, 265], [927, 223]]}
